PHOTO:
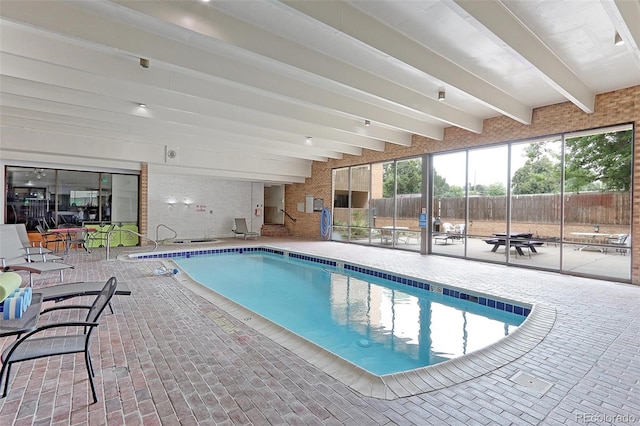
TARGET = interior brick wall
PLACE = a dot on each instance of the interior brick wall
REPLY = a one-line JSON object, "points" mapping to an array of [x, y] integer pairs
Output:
{"points": [[612, 108]]}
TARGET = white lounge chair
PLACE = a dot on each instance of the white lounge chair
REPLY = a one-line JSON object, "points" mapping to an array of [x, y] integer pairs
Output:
{"points": [[241, 229], [42, 254], [13, 256]]}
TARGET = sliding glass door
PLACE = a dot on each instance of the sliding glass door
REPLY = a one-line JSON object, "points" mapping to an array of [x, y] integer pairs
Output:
{"points": [[559, 203], [536, 201], [379, 203], [486, 195]]}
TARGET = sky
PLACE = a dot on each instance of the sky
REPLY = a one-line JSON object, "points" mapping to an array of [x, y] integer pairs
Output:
{"points": [[486, 165]]}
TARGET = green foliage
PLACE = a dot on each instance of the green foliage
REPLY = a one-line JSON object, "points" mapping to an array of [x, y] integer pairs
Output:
{"points": [[537, 176], [359, 224], [441, 189], [600, 162], [496, 189], [409, 178], [604, 158]]}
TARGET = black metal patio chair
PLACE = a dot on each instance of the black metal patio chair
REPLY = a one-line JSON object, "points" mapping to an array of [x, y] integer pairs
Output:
{"points": [[29, 347]]}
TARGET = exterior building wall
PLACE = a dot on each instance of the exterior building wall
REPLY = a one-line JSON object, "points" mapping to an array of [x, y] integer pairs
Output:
{"points": [[613, 108]]}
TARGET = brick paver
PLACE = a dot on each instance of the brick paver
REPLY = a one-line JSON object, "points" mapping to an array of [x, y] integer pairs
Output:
{"points": [[167, 356]]}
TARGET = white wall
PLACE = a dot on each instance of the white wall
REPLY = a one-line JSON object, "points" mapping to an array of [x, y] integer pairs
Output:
{"points": [[212, 204]]}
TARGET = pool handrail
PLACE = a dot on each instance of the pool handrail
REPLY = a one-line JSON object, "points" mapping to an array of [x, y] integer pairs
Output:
{"points": [[131, 232], [175, 234]]}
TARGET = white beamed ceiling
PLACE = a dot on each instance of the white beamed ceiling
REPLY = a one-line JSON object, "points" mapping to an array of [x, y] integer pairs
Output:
{"points": [[236, 87]]}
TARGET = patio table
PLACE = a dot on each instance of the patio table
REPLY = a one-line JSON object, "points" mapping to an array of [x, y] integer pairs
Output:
{"points": [[70, 231], [592, 238], [518, 240]]}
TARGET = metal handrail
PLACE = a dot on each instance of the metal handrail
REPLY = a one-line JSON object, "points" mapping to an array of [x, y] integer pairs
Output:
{"points": [[131, 232], [288, 215], [175, 234]]}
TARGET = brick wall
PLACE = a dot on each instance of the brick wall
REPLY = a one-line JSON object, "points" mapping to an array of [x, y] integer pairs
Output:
{"points": [[143, 219], [613, 108]]}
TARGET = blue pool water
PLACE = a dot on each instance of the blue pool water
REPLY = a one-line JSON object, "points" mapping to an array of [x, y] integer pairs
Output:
{"points": [[382, 326]]}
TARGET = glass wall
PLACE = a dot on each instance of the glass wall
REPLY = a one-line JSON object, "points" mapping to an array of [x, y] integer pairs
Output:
{"points": [[535, 202], [558, 203], [359, 215], [53, 198], [486, 194], [379, 203], [449, 207], [597, 203]]}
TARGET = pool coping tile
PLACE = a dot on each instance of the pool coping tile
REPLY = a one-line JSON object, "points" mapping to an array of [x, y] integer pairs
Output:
{"points": [[536, 326]]}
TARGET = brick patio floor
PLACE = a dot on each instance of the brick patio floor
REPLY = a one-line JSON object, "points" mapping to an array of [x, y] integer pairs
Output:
{"points": [[187, 362]]}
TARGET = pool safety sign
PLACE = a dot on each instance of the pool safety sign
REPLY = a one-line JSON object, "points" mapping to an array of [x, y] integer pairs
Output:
{"points": [[422, 220]]}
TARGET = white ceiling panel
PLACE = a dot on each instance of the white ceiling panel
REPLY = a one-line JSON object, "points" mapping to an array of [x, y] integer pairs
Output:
{"points": [[253, 80]]}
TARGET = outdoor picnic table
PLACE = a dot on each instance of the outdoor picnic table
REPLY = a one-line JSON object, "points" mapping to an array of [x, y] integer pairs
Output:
{"points": [[518, 240]]}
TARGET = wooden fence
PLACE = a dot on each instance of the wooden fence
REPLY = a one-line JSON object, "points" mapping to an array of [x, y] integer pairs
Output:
{"points": [[604, 208]]}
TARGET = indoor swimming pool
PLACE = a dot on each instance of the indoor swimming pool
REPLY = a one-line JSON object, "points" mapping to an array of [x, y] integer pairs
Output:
{"points": [[378, 324]]}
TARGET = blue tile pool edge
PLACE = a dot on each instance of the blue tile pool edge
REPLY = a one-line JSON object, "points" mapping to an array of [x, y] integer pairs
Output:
{"points": [[392, 386], [525, 338], [515, 307]]}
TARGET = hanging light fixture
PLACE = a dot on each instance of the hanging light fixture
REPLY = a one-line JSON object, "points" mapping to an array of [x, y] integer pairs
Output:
{"points": [[39, 173]]}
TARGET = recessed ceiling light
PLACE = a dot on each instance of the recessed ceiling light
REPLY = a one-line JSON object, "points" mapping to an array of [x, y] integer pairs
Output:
{"points": [[142, 105], [441, 95], [308, 140], [367, 123]]}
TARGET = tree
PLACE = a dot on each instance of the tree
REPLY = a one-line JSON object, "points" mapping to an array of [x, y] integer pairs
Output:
{"points": [[409, 178], [540, 174], [603, 157], [440, 185], [496, 189]]}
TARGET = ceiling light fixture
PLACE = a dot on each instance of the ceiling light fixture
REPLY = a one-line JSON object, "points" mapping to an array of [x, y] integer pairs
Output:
{"points": [[308, 141], [441, 95], [142, 105], [367, 123], [618, 41], [144, 63]]}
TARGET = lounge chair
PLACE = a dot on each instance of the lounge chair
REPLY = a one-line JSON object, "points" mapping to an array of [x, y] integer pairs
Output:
{"points": [[30, 249], [33, 346], [241, 229], [60, 292], [620, 241], [13, 257]]}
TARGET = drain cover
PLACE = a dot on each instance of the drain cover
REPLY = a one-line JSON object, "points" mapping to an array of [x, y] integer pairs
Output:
{"points": [[531, 382]]}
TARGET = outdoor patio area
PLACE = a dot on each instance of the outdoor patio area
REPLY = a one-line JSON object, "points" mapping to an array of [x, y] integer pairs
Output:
{"points": [[168, 356]]}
